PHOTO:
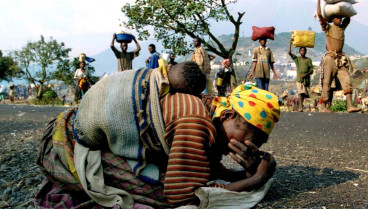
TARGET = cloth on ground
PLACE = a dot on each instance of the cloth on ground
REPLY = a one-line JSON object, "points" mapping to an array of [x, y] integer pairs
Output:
{"points": [[90, 171], [218, 198]]}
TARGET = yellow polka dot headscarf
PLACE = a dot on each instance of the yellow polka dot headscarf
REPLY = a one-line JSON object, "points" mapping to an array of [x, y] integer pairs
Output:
{"points": [[259, 107]]}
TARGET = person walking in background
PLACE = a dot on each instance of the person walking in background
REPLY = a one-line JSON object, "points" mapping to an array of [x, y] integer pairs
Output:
{"points": [[223, 78], [304, 68], [82, 77], [262, 62], [125, 58], [172, 59], [201, 57], [12, 92], [152, 61], [335, 62]]}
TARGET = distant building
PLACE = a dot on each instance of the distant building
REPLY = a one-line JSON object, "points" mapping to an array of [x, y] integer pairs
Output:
{"points": [[291, 75], [316, 63]]}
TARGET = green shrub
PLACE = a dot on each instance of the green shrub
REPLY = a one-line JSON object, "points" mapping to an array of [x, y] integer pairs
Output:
{"points": [[49, 94], [49, 97], [339, 105]]}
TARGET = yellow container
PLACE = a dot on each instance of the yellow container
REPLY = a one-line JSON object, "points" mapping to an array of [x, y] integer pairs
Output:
{"points": [[219, 81], [162, 66], [303, 38]]}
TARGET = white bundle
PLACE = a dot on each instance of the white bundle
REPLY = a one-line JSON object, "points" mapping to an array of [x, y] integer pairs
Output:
{"points": [[82, 57], [337, 1], [341, 8]]}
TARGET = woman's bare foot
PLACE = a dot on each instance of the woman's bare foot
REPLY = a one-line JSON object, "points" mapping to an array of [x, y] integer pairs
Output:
{"points": [[354, 109]]}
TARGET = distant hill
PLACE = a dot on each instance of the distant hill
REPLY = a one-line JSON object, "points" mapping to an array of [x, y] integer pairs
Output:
{"points": [[106, 61]]}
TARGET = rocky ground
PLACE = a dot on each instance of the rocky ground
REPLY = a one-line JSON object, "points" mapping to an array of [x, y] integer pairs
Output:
{"points": [[322, 158]]}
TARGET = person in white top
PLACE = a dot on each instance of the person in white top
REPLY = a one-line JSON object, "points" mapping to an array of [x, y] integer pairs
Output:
{"points": [[82, 77]]}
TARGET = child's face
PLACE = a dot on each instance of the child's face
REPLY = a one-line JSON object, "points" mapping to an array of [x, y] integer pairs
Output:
{"points": [[303, 52], [263, 42], [337, 20]]}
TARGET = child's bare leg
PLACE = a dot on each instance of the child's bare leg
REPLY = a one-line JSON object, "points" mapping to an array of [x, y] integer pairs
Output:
{"points": [[324, 108], [300, 103]]}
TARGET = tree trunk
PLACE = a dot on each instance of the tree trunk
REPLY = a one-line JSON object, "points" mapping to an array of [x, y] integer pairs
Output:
{"points": [[40, 91], [233, 81]]}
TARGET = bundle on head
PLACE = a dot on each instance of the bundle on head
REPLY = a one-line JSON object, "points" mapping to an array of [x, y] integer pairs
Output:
{"points": [[263, 33]]}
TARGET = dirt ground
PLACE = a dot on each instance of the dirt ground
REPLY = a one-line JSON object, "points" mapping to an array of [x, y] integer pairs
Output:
{"points": [[322, 159]]}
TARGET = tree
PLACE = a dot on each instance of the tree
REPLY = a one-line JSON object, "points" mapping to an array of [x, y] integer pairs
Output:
{"points": [[8, 68], [38, 60], [174, 20], [66, 69]]}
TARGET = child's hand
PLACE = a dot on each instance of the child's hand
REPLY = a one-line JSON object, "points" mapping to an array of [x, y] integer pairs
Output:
{"points": [[246, 153]]}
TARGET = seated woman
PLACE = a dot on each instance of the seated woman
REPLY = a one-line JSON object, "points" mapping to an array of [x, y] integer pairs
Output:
{"points": [[125, 147]]}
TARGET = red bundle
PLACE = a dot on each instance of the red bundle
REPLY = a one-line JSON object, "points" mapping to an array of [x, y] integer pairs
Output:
{"points": [[265, 32]]}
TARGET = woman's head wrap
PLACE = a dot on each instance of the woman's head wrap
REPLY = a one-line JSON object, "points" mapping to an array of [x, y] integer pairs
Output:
{"points": [[225, 61], [259, 107]]}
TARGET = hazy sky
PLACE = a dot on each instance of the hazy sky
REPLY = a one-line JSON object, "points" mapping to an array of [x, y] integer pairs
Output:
{"points": [[84, 25]]}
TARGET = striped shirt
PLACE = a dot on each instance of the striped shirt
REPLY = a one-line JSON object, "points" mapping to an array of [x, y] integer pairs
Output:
{"points": [[190, 132]]}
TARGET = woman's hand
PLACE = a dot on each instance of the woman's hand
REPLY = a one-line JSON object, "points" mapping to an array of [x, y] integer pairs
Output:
{"points": [[267, 166], [246, 154]]}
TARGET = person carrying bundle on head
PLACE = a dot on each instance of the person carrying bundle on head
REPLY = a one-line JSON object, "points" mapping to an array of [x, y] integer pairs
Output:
{"points": [[335, 62], [223, 78], [262, 57], [304, 70]]}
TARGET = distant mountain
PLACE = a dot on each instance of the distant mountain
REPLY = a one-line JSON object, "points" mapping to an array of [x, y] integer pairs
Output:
{"points": [[106, 61]]}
